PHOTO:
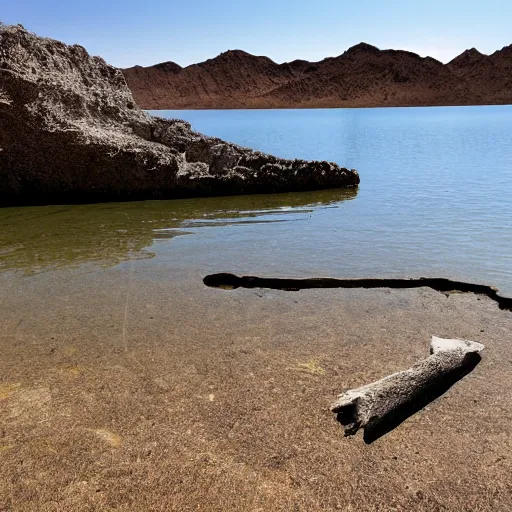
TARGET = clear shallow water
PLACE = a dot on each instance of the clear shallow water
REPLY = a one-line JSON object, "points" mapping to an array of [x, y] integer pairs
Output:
{"points": [[435, 195], [435, 199]]}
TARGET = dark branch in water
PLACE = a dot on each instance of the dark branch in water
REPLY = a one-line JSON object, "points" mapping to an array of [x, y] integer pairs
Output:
{"points": [[231, 281]]}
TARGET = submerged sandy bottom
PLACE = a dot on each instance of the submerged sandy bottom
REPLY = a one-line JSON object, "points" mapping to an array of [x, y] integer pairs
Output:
{"points": [[130, 389]]}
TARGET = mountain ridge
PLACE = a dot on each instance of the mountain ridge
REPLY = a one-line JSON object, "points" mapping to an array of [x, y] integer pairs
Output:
{"points": [[362, 76]]}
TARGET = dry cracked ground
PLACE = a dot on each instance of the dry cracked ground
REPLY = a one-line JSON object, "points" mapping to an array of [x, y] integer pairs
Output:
{"points": [[128, 389]]}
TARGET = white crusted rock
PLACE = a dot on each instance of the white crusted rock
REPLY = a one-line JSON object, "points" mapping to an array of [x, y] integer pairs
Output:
{"points": [[70, 131]]}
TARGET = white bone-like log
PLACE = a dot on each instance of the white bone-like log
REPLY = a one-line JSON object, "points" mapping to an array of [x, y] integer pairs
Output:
{"points": [[374, 406]]}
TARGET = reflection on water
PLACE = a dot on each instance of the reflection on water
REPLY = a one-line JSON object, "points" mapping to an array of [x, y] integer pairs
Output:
{"points": [[36, 239]]}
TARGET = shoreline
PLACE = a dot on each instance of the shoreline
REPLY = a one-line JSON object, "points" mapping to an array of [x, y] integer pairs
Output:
{"points": [[298, 107]]}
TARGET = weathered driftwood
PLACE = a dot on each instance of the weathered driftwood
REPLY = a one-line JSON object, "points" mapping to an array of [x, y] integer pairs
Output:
{"points": [[381, 406]]}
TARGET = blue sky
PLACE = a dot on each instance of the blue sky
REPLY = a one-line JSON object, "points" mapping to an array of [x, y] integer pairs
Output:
{"points": [[132, 32]]}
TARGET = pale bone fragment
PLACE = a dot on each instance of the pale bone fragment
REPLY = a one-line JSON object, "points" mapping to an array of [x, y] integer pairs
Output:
{"points": [[381, 406]]}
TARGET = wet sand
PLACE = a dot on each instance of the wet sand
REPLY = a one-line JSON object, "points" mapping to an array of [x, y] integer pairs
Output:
{"points": [[130, 388]]}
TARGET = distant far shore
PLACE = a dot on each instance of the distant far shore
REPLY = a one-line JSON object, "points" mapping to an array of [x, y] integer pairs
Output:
{"points": [[298, 107], [362, 77]]}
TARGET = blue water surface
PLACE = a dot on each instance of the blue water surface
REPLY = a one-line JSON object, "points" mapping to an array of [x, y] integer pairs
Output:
{"points": [[435, 195]]}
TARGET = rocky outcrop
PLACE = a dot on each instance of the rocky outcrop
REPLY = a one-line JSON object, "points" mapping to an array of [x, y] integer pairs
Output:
{"points": [[71, 132], [363, 76]]}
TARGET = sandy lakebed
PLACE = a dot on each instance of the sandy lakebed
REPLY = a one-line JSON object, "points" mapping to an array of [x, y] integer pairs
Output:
{"points": [[129, 388]]}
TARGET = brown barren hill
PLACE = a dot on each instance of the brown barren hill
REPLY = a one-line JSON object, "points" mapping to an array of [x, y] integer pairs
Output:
{"points": [[488, 76], [363, 76], [233, 78]]}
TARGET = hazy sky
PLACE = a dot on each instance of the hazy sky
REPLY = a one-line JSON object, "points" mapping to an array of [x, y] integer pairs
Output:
{"points": [[145, 32]]}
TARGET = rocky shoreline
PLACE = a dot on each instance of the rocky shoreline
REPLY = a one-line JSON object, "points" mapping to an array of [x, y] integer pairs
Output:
{"points": [[70, 132]]}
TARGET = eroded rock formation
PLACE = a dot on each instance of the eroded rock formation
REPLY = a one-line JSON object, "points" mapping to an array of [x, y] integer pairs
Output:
{"points": [[71, 132]]}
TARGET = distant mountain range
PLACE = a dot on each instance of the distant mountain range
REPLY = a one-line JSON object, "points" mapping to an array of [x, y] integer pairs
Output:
{"points": [[363, 76]]}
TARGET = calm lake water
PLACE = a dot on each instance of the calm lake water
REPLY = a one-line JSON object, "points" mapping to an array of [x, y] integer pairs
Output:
{"points": [[435, 200]]}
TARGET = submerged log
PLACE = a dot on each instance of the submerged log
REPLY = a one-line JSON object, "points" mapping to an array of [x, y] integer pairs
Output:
{"points": [[231, 282], [381, 406]]}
